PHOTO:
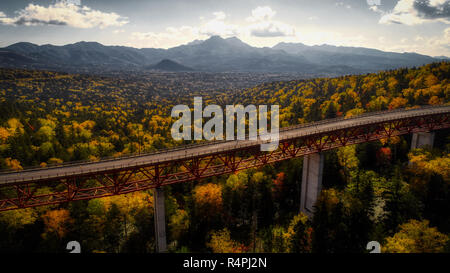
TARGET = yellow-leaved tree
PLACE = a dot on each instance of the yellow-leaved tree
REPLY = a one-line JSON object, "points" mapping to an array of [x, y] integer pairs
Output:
{"points": [[416, 237], [208, 199], [57, 222], [221, 242], [423, 163]]}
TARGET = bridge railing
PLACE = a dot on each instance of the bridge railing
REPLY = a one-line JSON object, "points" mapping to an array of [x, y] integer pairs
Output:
{"points": [[242, 144]]}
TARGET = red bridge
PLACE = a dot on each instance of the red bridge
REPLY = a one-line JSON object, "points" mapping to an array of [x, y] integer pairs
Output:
{"points": [[87, 180]]}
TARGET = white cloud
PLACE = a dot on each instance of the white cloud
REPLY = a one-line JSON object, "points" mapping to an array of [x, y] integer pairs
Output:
{"points": [[271, 29], [443, 41], [375, 9], [75, 2], [373, 2], [414, 12], [218, 26], [4, 19], [64, 13], [170, 38], [374, 5], [261, 14], [437, 2], [264, 25], [432, 45]]}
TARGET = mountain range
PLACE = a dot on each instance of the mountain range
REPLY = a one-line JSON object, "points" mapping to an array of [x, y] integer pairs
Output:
{"points": [[215, 54]]}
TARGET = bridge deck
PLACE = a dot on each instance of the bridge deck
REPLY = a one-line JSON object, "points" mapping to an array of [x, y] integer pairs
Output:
{"points": [[214, 147]]}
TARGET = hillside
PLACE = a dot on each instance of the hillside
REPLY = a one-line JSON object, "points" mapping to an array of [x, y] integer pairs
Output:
{"points": [[309, 100], [379, 191], [170, 66]]}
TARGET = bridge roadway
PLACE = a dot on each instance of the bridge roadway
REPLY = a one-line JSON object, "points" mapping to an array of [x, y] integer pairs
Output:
{"points": [[189, 151]]}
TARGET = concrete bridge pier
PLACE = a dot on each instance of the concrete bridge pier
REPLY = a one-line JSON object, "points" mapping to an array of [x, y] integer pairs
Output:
{"points": [[311, 182], [160, 220], [422, 139]]}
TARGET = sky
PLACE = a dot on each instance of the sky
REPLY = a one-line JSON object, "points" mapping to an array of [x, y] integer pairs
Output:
{"points": [[421, 26]]}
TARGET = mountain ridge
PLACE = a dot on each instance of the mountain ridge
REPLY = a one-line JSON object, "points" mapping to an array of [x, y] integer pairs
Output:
{"points": [[215, 54]]}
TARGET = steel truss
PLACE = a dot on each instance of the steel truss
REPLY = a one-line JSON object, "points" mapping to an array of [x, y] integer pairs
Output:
{"points": [[137, 178]]}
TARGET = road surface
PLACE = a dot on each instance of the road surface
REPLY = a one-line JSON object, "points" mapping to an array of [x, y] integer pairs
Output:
{"points": [[212, 147]]}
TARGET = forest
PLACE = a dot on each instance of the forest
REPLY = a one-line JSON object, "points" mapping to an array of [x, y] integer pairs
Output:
{"points": [[379, 191]]}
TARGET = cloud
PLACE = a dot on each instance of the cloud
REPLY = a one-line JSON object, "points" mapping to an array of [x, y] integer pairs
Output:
{"points": [[373, 2], [64, 13], [374, 5], [432, 45], [4, 19], [271, 29], [375, 9], [261, 14], [414, 12], [75, 2], [436, 9], [169, 38], [264, 25], [443, 41], [218, 26]]}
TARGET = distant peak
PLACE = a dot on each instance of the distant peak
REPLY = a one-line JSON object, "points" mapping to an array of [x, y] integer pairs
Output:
{"points": [[215, 37], [23, 47], [169, 65], [88, 43], [23, 44], [234, 40], [167, 61], [289, 44], [217, 41]]}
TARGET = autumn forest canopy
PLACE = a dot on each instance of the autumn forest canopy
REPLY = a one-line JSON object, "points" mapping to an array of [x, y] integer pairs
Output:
{"points": [[379, 191]]}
